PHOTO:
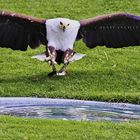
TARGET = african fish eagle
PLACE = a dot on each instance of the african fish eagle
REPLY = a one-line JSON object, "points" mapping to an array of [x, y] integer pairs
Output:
{"points": [[58, 35]]}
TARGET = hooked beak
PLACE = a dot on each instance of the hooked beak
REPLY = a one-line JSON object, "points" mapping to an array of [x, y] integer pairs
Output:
{"points": [[62, 26]]}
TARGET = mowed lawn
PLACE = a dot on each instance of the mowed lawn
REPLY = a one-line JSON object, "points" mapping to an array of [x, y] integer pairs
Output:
{"points": [[104, 74], [37, 129]]}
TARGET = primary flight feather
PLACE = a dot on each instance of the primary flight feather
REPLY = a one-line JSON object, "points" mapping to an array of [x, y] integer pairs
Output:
{"points": [[58, 35]]}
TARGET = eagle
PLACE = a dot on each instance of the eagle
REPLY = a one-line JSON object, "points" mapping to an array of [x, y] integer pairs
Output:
{"points": [[58, 35]]}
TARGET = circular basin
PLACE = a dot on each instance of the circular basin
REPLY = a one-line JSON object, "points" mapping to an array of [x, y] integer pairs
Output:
{"points": [[68, 109]]}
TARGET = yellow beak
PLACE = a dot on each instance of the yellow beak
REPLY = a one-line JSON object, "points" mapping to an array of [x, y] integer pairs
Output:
{"points": [[63, 27]]}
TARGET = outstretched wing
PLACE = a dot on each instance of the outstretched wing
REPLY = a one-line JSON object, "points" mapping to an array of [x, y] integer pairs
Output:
{"points": [[18, 31], [115, 30]]}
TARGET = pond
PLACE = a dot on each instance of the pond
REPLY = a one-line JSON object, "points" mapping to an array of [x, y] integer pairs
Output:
{"points": [[66, 109]]}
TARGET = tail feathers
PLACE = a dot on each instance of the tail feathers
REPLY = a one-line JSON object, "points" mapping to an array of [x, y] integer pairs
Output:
{"points": [[41, 57], [77, 56]]}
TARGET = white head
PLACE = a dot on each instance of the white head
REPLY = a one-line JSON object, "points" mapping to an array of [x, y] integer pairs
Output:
{"points": [[61, 33]]}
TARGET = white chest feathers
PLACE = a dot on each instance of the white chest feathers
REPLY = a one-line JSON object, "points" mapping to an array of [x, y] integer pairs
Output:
{"points": [[59, 39]]}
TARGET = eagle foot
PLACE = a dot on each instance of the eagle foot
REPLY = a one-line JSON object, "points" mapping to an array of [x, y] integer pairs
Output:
{"points": [[51, 74], [63, 73]]}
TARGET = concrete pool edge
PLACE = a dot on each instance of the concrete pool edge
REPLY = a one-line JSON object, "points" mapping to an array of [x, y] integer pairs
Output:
{"points": [[12, 101]]}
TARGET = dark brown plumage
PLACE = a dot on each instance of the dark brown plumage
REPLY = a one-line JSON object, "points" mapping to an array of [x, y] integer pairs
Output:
{"points": [[115, 30], [18, 31]]}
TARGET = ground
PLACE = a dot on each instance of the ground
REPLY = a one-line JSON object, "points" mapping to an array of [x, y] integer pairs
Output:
{"points": [[36, 129], [104, 74]]}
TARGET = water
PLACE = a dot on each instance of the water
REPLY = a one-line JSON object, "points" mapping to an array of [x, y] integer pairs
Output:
{"points": [[68, 109]]}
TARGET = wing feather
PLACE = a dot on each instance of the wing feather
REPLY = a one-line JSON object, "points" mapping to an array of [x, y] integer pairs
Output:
{"points": [[115, 30], [19, 31]]}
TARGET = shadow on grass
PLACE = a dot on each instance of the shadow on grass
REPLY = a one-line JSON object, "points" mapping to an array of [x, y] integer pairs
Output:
{"points": [[107, 85], [109, 80]]}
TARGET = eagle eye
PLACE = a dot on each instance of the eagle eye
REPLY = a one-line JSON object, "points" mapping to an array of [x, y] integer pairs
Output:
{"points": [[61, 23]]}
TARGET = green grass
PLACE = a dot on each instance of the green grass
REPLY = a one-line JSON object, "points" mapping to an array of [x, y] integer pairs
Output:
{"points": [[104, 74], [38, 129]]}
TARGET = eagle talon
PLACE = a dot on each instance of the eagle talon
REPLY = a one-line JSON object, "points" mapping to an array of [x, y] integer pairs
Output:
{"points": [[52, 73], [61, 73]]}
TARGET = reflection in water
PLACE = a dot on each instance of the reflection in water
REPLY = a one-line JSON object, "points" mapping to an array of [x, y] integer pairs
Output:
{"points": [[73, 112]]}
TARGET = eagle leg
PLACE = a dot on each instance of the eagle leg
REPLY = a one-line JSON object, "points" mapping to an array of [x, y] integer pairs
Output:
{"points": [[51, 52], [68, 54]]}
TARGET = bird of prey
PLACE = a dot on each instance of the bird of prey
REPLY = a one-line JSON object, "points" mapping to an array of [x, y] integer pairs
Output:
{"points": [[19, 31]]}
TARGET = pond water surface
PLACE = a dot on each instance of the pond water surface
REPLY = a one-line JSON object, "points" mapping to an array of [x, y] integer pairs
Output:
{"points": [[68, 109]]}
